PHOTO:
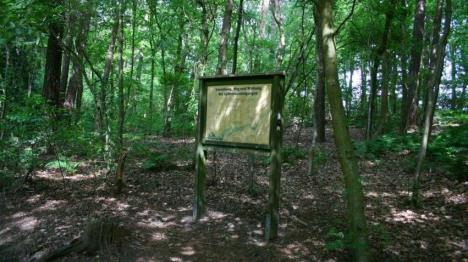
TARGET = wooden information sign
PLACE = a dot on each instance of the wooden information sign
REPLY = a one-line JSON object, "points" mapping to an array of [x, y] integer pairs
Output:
{"points": [[243, 112]]}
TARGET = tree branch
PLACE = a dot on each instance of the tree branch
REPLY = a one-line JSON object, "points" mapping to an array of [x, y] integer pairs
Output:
{"points": [[337, 31]]}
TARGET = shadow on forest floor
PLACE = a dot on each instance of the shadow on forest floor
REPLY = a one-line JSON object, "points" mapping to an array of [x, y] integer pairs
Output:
{"points": [[156, 208]]}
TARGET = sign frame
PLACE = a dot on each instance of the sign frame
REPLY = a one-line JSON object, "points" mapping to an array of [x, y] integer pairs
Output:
{"points": [[239, 80], [276, 79]]}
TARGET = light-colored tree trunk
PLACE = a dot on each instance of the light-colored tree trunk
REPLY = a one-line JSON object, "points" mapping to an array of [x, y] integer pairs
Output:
{"points": [[353, 188]]}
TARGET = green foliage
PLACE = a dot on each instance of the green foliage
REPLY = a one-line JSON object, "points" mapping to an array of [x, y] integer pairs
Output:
{"points": [[336, 240], [375, 148], [63, 165], [447, 151], [320, 157], [292, 154], [381, 233]]}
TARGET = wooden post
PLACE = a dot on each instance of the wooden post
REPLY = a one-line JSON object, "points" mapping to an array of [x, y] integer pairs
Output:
{"points": [[200, 162], [272, 217]]}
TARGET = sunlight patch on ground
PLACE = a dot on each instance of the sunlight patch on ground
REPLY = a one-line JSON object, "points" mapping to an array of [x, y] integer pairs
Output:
{"points": [[383, 194], [456, 199], [27, 223], [295, 250], [19, 215], [410, 217], [34, 199], [188, 251], [158, 236], [309, 196], [256, 242], [50, 205], [175, 259]]}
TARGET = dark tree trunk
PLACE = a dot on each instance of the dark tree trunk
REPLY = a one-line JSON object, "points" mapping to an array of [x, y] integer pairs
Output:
{"points": [[415, 64], [75, 85], [375, 67], [319, 100], [53, 64], [453, 82], [240, 12], [363, 97], [223, 45], [435, 68]]}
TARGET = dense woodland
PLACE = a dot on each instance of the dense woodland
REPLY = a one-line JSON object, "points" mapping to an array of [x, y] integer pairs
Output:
{"points": [[98, 115]]}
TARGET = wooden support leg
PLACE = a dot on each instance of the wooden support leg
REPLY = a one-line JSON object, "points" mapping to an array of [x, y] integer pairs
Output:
{"points": [[200, 177]]}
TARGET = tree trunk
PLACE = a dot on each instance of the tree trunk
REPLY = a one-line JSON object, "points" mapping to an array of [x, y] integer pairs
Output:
{"points": [[363, 97], [240, 12], [349, 91], [224, 38], [51, 86], [278, 17], [404, 92], [385, 83], [435, 69], [375, 67], [353, 188], [75, 85], [4, 97], [453, 80], [415, 64], [121, 119], [319, 100], [132, 59]]}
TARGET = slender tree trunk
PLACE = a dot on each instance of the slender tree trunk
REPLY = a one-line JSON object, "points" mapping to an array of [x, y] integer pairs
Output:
{"points": [[151, 96], [415, 64], [319, 100], [4, 96], [363, 97], [75, 84], [453, 80], [349, 91], [385, 83], [223, 45], [404, 92], [435, 69], [393, 91], [121, 119], [65, 62], [240, 12], [132, 59], [278, 17], [375, 67], [353, 188], [440, 56]]}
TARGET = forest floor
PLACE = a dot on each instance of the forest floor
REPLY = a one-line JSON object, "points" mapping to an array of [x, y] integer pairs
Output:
{"points": [[156, 208]]}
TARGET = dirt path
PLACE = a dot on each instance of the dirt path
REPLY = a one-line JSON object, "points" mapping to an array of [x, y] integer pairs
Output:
{"points": [[156, 207]]}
